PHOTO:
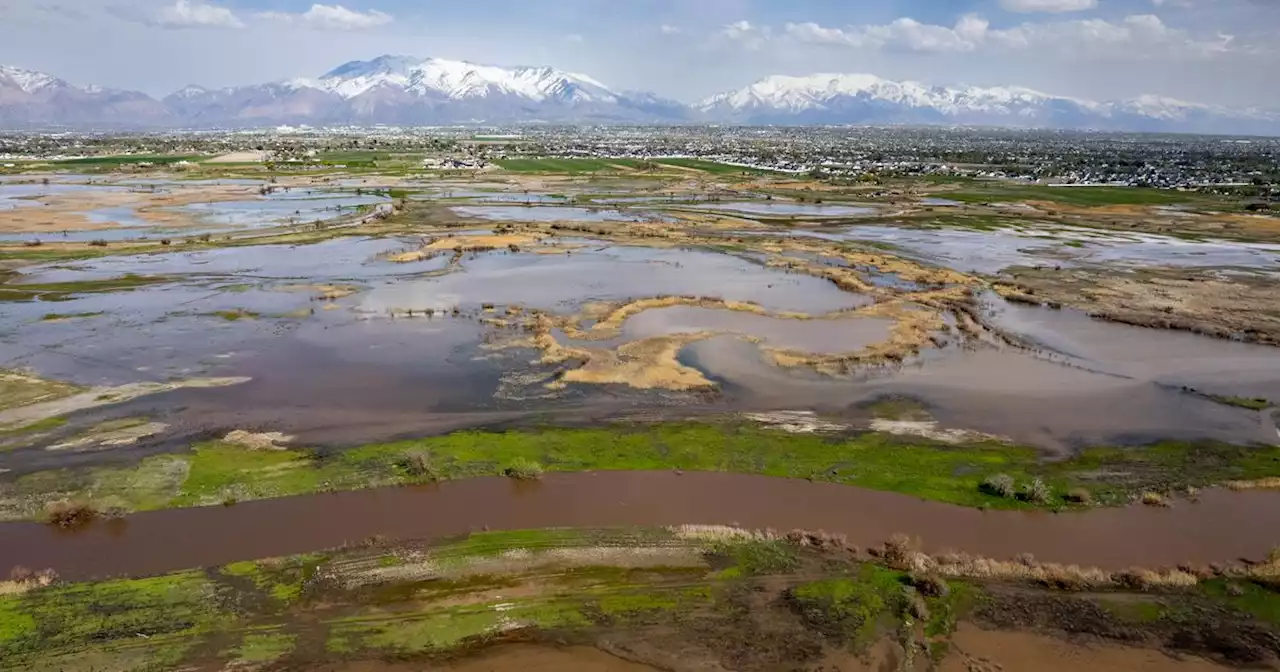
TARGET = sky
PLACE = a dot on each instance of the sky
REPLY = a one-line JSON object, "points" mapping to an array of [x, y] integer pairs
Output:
{"points": [[1211, 51]]}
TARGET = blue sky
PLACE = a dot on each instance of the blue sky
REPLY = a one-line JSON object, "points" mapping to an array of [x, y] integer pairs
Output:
{"points": [[1201, 50]]}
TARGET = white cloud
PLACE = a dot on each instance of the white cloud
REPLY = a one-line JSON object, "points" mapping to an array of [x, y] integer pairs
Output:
{"points": [[1140, 36], [1053, 6], [332, 17], [196, 14], [668, 29], [745, 34], [573, 38]]}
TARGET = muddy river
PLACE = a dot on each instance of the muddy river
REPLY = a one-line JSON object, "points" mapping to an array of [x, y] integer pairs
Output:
{"points": [[161, 541]]}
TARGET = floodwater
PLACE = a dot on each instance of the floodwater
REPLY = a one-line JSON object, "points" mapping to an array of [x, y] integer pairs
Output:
{"points": [[612, 273], [1171, 358], [975, 649], [992, 251], [13, 196], [503, 658], [787, 209], [161, 541], [555, 214], [820, 336], [1030, 399], [944, 202], [343, 259], [301, 206]]}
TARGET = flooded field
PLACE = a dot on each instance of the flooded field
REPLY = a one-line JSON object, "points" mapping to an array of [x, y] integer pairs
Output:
{"points": [[555, 214], [783, 209], [209, 369], [990, 251]]}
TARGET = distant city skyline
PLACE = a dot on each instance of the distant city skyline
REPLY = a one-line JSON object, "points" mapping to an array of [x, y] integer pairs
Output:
{"points": [[1211, 51]]}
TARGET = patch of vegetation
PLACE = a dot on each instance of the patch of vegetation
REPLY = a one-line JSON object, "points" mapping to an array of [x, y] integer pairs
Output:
{"points": [[1246, 596], [714, 167], [62, 291], [854, 609], [1251, 403], [993, 192], [56, 317], [524, 469], [281, 579], [236, 315], [569, 166], [45, 425], [754, 557], [264, 647], [80, 616], [918, 467]]}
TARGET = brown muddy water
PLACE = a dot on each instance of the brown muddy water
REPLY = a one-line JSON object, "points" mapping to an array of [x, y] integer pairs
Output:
{"points": [[1221, 526], [510, 658]]}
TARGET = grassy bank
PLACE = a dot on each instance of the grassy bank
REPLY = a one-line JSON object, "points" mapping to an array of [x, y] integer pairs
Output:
{"points": [[986, 474], [714, 594]]}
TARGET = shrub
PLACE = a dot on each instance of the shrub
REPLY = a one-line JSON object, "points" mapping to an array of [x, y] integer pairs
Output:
{"points": [[70, 514], [98, 243], [1079, 496], [419, 465], [930, 585], [1000, 485], [1036, 491], [524, 470], [1154, 499], [897, 551]]}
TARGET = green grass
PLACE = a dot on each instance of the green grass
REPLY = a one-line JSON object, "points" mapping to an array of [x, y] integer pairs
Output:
{"points": [[755, 557], [45, 425], [235, 315], [214, 473], [852, 609], [569, 166], [1078, 196], [1252, 599], [62, 291], [265, 647], [281, 579], [714, 167], [72, 617], [56, 316], [1251, 403]]}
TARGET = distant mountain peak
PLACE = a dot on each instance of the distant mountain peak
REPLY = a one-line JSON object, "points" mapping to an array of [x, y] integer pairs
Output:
{"points": [[835, 98], [457, 80], [29, 81], [408, 90]]}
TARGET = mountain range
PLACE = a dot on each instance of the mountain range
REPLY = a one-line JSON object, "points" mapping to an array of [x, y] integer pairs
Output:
{"points": [[402, 90]]}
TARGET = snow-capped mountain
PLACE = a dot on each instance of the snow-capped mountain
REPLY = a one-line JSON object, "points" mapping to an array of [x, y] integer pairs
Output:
{"points": [[867, 99], [404, 90], [408, 90], [29, 98]]}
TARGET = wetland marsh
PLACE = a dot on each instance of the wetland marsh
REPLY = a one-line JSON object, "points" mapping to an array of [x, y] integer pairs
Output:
{"points": [[374, 379]]}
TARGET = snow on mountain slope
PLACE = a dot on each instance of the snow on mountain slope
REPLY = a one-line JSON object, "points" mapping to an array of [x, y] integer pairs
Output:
{"points": [[458, 80], [861, 98], [28, 81], [408, 90], [29, 98], [796, 94]]}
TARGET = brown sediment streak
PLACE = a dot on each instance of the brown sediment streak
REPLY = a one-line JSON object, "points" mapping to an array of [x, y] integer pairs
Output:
{"points": [[1221, 527]]}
